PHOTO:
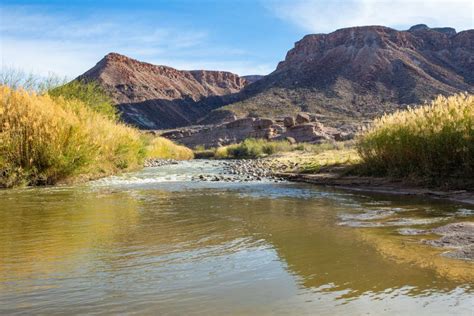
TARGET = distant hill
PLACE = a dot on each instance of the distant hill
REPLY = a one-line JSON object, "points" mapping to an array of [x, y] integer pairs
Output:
{"points": [[352, 74], [153, 97]]}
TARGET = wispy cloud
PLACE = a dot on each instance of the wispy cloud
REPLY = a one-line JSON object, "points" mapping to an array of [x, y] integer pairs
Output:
{"points": [[43, 42], [318, 16]]}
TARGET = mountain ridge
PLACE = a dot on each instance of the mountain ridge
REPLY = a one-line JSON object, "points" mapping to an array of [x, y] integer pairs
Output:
{"points": [[351, 74], [156, 96], [362, 72]]}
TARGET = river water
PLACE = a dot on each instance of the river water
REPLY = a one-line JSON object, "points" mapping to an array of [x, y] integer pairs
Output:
{"points": [[155, 242]]}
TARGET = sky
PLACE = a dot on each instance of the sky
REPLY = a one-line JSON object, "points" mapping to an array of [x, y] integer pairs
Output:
{"points": [[246, 37]]}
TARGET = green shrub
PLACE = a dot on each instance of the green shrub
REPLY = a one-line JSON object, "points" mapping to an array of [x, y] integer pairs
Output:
{"points": [[253, 148], [89, 93]]}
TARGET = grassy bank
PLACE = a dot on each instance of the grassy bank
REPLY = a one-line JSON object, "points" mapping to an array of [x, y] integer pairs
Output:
{"points": [[67, 134], [432, 145], [434, 142]]}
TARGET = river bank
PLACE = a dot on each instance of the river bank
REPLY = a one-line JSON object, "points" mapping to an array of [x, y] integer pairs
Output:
{"points": [[331, 168], [379, 185]]}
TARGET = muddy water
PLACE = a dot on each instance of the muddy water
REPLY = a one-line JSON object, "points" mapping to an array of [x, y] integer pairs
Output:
{"points": [[155, 242]]}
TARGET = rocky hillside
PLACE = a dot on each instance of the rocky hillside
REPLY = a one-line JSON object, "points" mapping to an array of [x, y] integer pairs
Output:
{"points": [[153, 97], [360, 72]]}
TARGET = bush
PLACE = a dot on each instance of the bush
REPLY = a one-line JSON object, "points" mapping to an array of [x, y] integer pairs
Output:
{"points": [[433, 141], [253, 148], [46, 139], [90, 93], [159, 147]]}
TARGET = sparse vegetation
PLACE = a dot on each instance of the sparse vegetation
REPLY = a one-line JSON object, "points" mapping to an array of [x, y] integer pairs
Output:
{"points": [[435, 141], [258, 148], [253, 148]]}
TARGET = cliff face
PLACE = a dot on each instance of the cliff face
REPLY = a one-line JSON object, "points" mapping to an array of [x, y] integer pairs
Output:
{"points": [[151, 96], [361, 72], [373, 54]]}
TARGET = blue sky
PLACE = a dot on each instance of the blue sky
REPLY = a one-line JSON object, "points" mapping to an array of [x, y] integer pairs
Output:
{"points": [[245, 37]]}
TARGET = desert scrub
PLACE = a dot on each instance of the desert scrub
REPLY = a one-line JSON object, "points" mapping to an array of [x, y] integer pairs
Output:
{"points": [[159, 147], [46, 139], [434, 141]]}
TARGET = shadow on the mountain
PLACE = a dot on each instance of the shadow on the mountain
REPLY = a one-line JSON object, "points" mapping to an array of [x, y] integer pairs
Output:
{"points": [[165, 114]]}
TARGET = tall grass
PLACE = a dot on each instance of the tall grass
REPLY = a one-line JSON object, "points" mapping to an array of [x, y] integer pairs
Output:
{"points": [[432, 141], [159, 147], [46, 139]]}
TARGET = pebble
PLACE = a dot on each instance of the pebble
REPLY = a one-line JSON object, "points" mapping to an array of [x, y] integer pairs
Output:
{"points": [[243, 170], [156, 162]]}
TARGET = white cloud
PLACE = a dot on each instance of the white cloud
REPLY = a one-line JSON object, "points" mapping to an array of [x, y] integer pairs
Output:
{"points": [[318, 16], [42, 43]]}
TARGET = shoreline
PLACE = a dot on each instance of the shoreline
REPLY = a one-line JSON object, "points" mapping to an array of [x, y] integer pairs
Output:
{"points": [[378, 185]]}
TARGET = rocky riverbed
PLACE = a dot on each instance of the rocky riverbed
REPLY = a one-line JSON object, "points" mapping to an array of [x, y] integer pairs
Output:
{"points": [[244, 170], [458, 238], [157, 162]]}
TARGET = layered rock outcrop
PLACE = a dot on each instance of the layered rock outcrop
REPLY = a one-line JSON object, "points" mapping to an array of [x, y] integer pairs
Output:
{"points": [[236, 131], [151, 96]]}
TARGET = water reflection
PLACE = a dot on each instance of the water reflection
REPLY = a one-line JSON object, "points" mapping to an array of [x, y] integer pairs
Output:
{"points": [[199, 248]]}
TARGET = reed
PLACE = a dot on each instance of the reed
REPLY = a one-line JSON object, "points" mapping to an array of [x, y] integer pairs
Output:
{"points": [[434, 141], [45, 139]]}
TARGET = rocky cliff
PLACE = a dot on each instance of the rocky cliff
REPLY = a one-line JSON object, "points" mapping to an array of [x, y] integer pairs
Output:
{"points": [[361, 72], [152, 96]]}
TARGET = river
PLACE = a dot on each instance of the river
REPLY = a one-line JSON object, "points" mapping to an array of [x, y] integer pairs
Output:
{"points": [[156, 242]]}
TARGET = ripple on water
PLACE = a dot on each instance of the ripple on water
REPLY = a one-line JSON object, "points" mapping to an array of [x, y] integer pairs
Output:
{"points": [[368, 215], [393, 222]]}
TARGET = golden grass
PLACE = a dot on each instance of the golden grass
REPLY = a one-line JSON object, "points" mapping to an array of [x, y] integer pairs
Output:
{"points": [[433, 141], [159, 147], [314, 163], [44, 140]]}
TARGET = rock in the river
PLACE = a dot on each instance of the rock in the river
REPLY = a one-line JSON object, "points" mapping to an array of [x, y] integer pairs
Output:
{"points": [[459, 236], [158, 162]]}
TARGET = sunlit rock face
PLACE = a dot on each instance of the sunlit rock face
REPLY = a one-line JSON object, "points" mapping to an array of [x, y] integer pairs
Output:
{"points": [[358, 73]]}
